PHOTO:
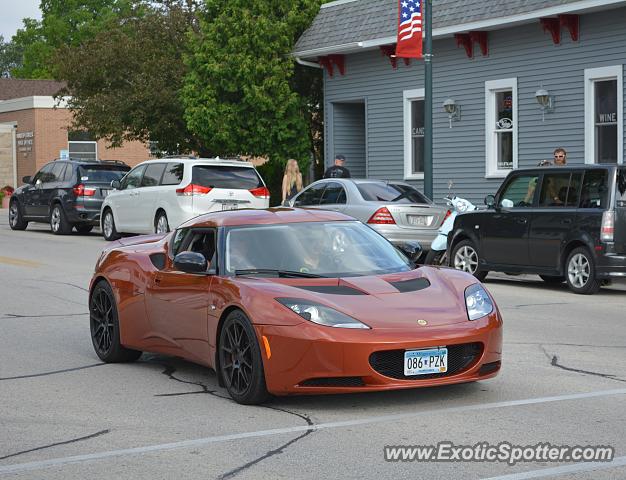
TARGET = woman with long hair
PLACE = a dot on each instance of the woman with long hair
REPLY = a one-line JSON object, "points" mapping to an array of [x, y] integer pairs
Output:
{"points": [[292, 180]]}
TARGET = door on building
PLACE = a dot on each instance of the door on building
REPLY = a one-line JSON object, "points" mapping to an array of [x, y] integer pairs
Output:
{"points": [[7, 159], [349, 136]]}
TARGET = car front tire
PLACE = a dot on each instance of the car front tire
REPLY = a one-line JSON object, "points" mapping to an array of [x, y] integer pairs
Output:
{"points": [[465, 257], [16, 220], [105, 327], [436, 257], [580, 272], [58, 221], [109, 232], [241, 366]]}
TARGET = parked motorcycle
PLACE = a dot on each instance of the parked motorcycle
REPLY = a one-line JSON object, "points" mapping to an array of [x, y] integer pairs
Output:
{"points": [[438, 249]]}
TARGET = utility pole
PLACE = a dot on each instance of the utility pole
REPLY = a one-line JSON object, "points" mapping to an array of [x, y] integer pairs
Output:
{"points": [[428, 100]]}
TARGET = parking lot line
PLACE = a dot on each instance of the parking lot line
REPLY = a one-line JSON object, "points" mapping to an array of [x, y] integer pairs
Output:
{"points": [[563, 470], [18, 262], [55, 462]]}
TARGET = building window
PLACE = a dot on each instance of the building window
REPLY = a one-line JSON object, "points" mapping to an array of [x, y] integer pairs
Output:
{"points": [[414, 134], [604, 115], [500, 126], [82, 146]]}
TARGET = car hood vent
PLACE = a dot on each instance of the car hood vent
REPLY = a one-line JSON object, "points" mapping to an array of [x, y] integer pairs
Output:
{"points": [[332, 289], [412, 285]]}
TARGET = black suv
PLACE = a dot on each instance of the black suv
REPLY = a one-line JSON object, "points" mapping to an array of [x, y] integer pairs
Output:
{"points": [[66, 193], [563, 223]]}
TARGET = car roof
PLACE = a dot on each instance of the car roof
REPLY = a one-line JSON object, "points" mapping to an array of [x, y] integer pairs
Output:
{"points": [[557, 168], [360, 181], [204, 161], [269, 216]]}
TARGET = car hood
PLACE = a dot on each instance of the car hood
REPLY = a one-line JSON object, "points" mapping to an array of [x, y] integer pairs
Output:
{"points": [[387, 301]]}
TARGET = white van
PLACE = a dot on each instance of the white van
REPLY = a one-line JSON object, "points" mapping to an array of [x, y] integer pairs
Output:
{"points": [[158, 195]]}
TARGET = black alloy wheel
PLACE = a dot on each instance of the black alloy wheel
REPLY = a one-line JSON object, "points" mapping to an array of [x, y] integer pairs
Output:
{"points": [[16, 220], [104, 323], [241, 366]]}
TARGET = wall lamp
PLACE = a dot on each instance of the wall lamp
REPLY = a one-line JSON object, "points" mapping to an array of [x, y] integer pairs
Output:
{"points": [[545, 101], [453, 110]]}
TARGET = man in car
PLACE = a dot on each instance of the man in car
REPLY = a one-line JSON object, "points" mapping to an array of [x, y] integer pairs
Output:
{"points": [[338, 170]]}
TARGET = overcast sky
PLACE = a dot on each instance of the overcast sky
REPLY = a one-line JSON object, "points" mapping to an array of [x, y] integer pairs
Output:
{"points": [[13, 11]]}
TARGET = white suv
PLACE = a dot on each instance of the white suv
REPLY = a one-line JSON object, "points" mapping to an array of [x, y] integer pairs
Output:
{"points": [[158, 195]]}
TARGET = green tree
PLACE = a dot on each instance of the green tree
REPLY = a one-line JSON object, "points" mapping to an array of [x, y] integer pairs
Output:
{"points": [[239, 94], [63, 23], [10, 57], [124, 84]]}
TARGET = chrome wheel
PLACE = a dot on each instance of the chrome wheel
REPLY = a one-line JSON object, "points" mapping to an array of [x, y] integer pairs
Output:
{"points": [[162, 225], [14, 215], [579, 270], [466, 259], [107, 224], [55, 219]]}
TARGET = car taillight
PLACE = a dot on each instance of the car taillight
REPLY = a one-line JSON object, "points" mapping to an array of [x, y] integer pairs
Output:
{"points": [[261, 192], [382, 216], [608, 226], [82, 191], [193, 189], [448, 213]]}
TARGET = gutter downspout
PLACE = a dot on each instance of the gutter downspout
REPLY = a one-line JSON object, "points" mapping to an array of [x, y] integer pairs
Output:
{"points": [[14, 135], [307, 63]]}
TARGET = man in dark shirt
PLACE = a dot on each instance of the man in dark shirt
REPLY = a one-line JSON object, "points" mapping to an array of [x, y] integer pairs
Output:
{"points": [[337, 170]]}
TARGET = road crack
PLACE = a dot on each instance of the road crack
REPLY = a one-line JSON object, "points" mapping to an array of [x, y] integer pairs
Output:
{"points": [[17, 315], [554, 361], [54, 372], [74, 440]]}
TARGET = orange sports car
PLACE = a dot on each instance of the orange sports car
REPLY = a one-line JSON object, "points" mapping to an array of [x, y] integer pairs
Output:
{"points": [[287, 301]]}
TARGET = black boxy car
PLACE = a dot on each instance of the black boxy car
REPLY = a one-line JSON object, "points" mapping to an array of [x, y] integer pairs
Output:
{"points": [[563, 223], [65, 193]]}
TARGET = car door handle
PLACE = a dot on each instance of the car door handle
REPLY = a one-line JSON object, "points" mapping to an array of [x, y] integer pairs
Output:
{"points": [[522, 220], [566, 221]]}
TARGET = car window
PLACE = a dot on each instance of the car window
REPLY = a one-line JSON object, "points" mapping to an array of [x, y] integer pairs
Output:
{"points": [[594, 193], [621, 188], [310, 196], [68, 176], [58, 170], [152, 176], [101, 173], [554, 190], [133, 179], [173, 174], [178, 239], [390, 192], [519, 191], [203, 242], [222, 176], [44, 175], [333, 195]]}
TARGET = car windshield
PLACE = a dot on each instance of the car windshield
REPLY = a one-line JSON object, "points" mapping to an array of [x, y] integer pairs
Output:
{"points": [[333, 249], [102, 173], [390, 192]]}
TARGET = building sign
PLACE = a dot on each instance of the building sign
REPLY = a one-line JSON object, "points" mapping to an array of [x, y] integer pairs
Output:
{"points": [[25, 142], [64, 154]]}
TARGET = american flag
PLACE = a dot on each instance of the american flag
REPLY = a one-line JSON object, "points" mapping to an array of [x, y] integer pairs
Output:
{"points": [[409, 44]]}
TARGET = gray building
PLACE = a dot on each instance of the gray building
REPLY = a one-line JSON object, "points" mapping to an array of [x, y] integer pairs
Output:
{"points": [[492, 59]]}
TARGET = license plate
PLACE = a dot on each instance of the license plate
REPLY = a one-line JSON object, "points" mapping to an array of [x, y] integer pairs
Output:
{"points": [[425, 362], [229, 206], [420, 220]]}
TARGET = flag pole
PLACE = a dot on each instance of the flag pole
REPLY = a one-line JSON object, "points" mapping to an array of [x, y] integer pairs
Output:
{"points": [[428, 99]]}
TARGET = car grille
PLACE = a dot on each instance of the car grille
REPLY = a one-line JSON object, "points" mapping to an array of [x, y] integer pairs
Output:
{"points": [[390, 363], [333, 382]]}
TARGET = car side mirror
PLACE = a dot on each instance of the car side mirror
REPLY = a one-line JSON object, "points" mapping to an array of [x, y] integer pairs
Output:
{"points": [[411, 249], [490, 201], [191, 262], [116, 184], [27, 179]]}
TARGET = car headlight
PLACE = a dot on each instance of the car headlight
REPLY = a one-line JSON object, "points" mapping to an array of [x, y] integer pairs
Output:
{"points": [[320, 314], [478, 302]]}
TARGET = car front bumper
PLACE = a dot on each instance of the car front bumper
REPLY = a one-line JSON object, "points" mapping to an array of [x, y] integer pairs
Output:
{"points": [[309, 359]]}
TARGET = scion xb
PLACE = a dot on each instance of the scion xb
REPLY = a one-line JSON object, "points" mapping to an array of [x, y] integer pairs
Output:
{"points": [[566, 224]]}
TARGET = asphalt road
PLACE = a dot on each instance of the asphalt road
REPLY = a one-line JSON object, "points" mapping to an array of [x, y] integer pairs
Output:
{"points": [[64, 414]]}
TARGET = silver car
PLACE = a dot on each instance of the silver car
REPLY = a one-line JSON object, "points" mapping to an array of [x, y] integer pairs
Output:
{"points": [[396, 210]]}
